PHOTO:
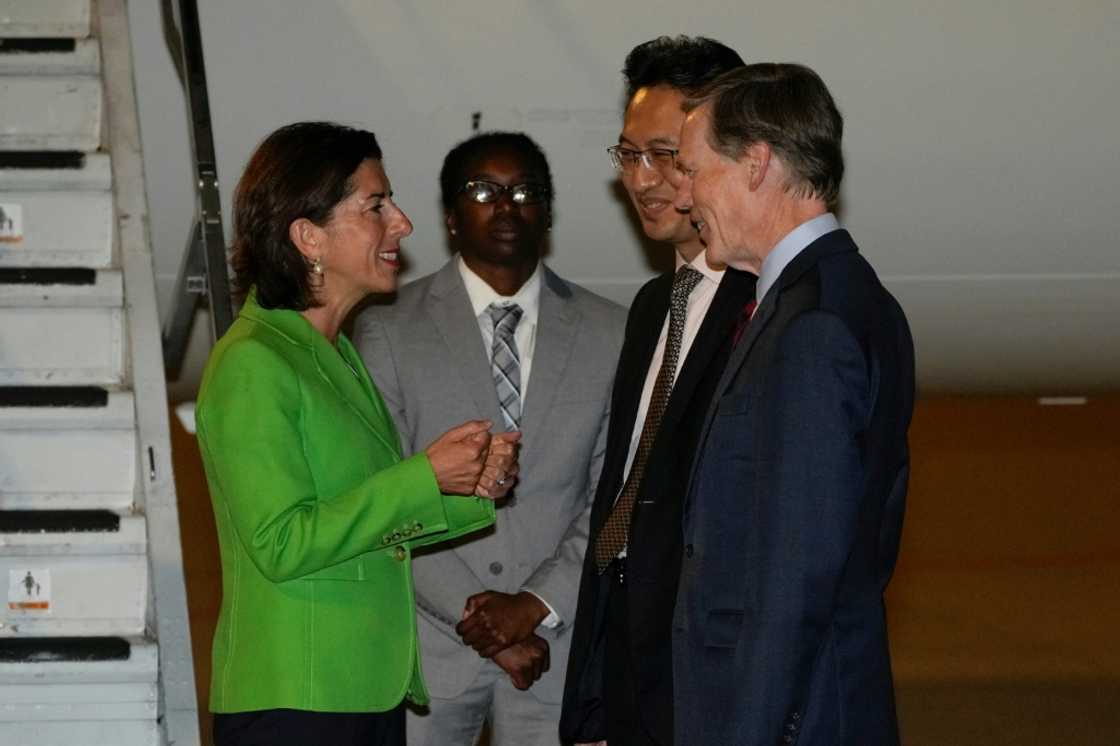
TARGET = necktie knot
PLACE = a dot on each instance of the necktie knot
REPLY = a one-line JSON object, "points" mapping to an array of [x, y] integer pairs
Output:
{"points": [[684, 282], [505, 317]]}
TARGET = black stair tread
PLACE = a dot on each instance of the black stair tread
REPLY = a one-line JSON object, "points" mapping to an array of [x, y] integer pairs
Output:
{"points": [[36, 45], [58, 521], [47, 276], [44, 159], [53, 396], [62, 649]]}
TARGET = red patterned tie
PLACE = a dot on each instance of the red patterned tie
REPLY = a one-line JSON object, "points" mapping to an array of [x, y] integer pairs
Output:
{"points": [[744, 321]]}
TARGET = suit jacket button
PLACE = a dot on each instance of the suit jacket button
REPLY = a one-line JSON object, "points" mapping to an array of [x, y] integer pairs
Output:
{"points": [[400, 554], [496, 568], [687, 550]]}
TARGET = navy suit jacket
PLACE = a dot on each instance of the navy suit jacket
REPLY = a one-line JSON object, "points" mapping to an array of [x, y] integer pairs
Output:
{"points": [[794, 515]]}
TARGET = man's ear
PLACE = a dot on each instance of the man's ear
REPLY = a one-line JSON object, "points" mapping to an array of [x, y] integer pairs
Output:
{"points": [[757, 163], [307, 237]]}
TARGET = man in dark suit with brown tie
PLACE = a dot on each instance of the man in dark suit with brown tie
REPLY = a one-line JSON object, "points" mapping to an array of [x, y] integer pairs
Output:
{"points": [[619, 686]]}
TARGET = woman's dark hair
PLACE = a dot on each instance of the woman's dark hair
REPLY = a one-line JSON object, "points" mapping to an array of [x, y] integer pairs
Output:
{"points": [[454, 172], [682, 62], [300, 171]]}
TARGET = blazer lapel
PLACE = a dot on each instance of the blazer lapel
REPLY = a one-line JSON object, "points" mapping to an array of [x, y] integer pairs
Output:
{"points": [[453, 316], [350, 382], [557, 322], [836, 242], [640, 355], [346, 379], [734, 291]]}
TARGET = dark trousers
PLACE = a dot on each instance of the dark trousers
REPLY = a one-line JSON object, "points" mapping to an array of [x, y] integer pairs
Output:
{"points": [[624, 727], [303, 728]]}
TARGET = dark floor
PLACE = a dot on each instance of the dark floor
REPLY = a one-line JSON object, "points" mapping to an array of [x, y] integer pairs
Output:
{"points": [[1004, 612], [1044, 713]]}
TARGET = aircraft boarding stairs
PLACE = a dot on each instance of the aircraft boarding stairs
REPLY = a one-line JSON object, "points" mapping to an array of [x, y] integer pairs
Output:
{"points": [[94, 634]]}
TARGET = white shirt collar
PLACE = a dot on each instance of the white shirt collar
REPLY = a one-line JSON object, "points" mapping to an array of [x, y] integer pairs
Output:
{"points": [[700, 264], [482, 295], [789, 247]]}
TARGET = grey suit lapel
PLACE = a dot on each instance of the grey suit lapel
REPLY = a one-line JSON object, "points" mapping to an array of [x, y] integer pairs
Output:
{"points": [[557, 322], [451, 311]]}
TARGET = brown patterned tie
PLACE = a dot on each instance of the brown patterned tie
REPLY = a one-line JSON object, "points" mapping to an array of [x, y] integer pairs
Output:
{"points": [[615, 533]]}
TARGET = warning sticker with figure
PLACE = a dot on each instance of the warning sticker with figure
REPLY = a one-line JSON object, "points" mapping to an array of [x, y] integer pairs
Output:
{"points": [[11, 223], [29, 590]]}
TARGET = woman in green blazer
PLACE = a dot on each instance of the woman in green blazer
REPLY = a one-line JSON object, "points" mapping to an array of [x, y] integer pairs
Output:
{"points": [[316, 512]]}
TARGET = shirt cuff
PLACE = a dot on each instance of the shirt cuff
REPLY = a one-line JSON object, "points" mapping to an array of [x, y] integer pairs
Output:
{"points": [[552, 621]]}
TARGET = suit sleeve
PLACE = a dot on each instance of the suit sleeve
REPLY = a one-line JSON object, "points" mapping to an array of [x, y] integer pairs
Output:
{"points": [[557, 579], [443, 581], [819, 404], [251, 436]]}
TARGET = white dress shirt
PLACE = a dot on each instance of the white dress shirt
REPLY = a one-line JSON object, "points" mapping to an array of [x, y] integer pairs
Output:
{"points": [[699, 301], [528, 296]]}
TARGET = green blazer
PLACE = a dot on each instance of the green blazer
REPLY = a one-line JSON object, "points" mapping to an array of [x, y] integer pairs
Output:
{"points": [[316, 515]]}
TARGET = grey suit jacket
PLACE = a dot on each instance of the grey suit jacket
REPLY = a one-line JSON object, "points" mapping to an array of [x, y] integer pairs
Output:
{"points": [[426, 355]]}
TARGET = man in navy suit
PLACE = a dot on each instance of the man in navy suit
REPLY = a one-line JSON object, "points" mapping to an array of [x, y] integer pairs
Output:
{"points": [[794, 508]]}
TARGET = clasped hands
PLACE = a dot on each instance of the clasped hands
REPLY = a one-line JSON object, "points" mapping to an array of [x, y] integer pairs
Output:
{"points": [[500, 626], [469, 460]]}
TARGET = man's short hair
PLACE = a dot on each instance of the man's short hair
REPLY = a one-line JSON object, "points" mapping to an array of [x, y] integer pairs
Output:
{"points": [[683, 62], [454, 174], [788, 107]]}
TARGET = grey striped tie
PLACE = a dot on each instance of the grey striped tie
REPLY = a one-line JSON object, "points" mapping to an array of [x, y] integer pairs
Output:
{"points": [[505, 365]]}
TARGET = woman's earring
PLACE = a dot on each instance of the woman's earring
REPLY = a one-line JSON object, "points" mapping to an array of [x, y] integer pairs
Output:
{"points": [[317, 266]]}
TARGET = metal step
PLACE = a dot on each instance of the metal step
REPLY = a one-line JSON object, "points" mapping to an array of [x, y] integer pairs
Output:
{"points": [[49, 57], [59, 288], [62, 692], [55, 112], [56, 209], [45, 18], [76, 582], [54, 455], [61, 345]]}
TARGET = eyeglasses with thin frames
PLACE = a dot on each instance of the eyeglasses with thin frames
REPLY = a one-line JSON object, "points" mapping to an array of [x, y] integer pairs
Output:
{"points": [[625, 160], [484, 192]]}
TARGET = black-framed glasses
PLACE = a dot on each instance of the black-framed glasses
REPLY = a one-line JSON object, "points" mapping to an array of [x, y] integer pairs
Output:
{"points": [[627, 159], [484, 192]]}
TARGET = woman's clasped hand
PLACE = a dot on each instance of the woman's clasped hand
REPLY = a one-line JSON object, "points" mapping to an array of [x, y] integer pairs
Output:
{"points": [[469, 460]]}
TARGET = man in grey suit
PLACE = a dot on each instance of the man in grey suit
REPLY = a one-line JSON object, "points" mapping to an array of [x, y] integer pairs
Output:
{"points": [[495, 334]]}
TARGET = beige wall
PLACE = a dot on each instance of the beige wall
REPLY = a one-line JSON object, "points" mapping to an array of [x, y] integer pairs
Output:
{"points": [[980, 141]]}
